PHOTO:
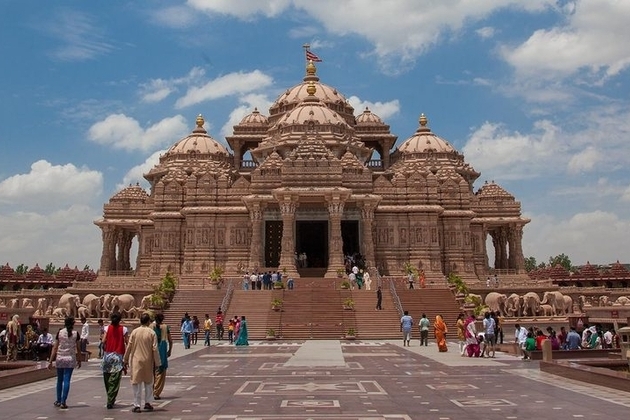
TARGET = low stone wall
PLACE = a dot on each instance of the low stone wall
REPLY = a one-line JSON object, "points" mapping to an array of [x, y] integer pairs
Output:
{"points": [[20, 373], [579, 354], [595, 373]]}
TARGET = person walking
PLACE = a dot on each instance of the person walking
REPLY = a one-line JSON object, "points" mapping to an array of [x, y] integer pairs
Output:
{"points": [[165, 347], [195, 332], [406, 324], [461, 333], [218, 321], [66, 355], [13, 337], [440, 330], [85, 334], [242, 333], [379, 299], [424, 325], [142, 357], [186, 330], [489, 327], [114, 342], [207, 328], [101, 333]]}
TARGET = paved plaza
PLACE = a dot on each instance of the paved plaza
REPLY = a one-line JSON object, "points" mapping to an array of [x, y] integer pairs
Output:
{"points": [[330, 380]]}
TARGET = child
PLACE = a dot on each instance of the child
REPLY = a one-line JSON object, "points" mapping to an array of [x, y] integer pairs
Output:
{"points": [[530, 345], [231, 331]]}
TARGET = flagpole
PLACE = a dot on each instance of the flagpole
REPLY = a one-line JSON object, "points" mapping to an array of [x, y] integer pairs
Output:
{"points": [[306, 48]]}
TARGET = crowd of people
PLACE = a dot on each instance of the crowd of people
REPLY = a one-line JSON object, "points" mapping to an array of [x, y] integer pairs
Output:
{"points": [[236, 327], [33, 342], [264, 280], [424, 325]]}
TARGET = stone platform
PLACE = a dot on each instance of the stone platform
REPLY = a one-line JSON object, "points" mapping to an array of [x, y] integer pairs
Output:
{"points": [[331, 380]]}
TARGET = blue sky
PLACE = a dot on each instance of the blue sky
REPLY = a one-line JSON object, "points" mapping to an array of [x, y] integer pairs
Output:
{"points": [[535, 94]]}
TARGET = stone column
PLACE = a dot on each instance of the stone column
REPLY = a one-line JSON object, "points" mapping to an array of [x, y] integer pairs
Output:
{"points": [[367, 242], [287, 209], [335, 250], [256, 217], [108, 256], [516, 258]]}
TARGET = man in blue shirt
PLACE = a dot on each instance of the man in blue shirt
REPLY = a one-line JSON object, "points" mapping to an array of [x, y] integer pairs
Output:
{"points": [[573, 340], [406, 323]]}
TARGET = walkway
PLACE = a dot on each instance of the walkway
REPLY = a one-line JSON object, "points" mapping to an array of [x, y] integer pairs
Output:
{"points": [[331, 380]]}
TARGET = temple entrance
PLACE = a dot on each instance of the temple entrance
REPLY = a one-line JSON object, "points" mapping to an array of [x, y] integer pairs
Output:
{"points": [[311, 237], [273, 243], [350, 237]]}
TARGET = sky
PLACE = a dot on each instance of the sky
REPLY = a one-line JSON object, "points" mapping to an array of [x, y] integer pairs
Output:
{"points": [[536, 94]]}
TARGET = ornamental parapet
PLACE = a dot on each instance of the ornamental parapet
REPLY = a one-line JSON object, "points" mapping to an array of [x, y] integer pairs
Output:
{"points": [[215, 210], [459, 213], [427, 208]]}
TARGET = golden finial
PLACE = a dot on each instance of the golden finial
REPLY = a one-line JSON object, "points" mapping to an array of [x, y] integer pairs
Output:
{"points": [[423, 120], [200, 121], [311, 69], [311, 89]]}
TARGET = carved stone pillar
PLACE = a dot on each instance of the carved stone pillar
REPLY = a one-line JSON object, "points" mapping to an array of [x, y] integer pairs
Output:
{"points": [[256, 217], [287, 209], [335, 249], [516, 258], [108, 256], [367, 242]]}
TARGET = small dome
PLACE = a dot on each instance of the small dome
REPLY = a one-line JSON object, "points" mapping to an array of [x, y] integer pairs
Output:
{"points": [[312, 111], [255, 118], [490, 190], [424, 141], [133, 193], [198, 142], [368, 118]]}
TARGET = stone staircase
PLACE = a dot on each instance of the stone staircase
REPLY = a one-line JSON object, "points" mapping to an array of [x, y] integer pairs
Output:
{"points": [[195, 302], [314, 310], [431, 302]]}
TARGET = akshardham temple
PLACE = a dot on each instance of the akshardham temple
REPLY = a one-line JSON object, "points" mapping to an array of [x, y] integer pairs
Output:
{"points": [[312, 177]]}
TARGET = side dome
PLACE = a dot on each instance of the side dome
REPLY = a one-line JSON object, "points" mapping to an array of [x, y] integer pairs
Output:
{"points": [[198, 142], [367, 117], [424, 141], [130, 194], [254, 119]]}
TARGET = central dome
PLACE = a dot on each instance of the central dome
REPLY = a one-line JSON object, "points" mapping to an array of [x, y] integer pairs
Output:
{"points": [[198, 142], [424, 141]]}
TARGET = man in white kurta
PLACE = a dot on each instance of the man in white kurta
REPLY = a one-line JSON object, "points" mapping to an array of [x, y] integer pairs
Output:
{"points": [[142, 358]]}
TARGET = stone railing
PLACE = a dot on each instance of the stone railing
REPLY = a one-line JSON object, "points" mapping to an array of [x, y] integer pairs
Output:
{"points": [[395, 297]]}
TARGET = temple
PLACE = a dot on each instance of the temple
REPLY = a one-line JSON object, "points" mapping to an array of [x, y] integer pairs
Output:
{"points": [[312, 178]]}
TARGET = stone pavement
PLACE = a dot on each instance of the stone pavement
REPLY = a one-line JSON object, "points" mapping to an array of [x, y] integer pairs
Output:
{"points": [[331, 380]]}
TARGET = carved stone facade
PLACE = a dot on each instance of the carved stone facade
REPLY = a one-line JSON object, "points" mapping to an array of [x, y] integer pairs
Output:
{"points": [[317, 180]]}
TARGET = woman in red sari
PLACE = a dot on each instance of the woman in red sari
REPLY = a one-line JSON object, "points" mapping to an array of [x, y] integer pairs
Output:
{"points": [[440, 333]]}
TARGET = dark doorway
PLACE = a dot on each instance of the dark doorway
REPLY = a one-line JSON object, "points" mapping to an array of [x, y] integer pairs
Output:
{"points": [[312, 238], [273, 243], [350, 236]]}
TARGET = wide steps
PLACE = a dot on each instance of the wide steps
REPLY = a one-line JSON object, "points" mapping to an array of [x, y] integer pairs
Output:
{"points": [[431, 302], [195, 302], [255, 306], [373, 324]]}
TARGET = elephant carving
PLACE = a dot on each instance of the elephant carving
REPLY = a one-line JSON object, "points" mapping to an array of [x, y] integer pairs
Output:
{"points": [[568, 303], [513, 305], [93, 304], [604, 300], [83, 311], [531, 303], [546, 310], [70, 303], [146, 302], [27, 303], [135, 312], [14, 303], [42, 306], [622, 301], [59, 313], [2, 304], [496, 302], [123, 303], [105, 302], [556, 300]]}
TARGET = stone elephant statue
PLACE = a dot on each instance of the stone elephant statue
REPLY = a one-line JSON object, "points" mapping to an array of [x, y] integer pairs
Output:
{"points": [[496, 302], [145, 302], [568, 304], [513, 305], [70, 303], [105, 302], [27, 303], [14, 303], [2, 303], [83, 311], [123, 303], [531, 303], [93, 304], [622, 301], [556, 300], [546, 310], [59, 313], [42, 306], [604, 300]]}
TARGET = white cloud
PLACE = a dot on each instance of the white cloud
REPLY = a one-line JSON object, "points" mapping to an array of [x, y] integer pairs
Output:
{"points": [[512, 155], [241, 9], [584, 160], [248, 103], [384, 110], [81, 39], [174, 16], [231, 84], [589, 41], [123, 132], [605, 233], [485, 32], [155, 90], [50, 186], [135, 174], [61, 236]]}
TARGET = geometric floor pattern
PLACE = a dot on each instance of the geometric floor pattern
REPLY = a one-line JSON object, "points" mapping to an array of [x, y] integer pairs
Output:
{"points": [[376, 381]]}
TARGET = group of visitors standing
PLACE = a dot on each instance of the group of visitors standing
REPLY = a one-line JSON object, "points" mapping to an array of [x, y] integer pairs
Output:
{"points": [[473, 343], [261, 281], [237, 329], [439, 330], [144, 354]]}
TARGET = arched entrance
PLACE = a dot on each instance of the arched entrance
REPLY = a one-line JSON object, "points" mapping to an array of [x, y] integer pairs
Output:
{"points": [[311, 237]]}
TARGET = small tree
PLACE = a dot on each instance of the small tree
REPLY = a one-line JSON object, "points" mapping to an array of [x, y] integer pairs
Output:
{"points": [[561, 259], [21, 269], [530, 264]]}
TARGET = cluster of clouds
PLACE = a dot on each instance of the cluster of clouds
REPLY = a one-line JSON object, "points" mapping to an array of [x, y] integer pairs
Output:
{"points": [[552, 68]]}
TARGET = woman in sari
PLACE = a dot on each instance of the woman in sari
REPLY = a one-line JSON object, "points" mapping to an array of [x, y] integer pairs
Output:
{"points": [[472, 345], [440, 330], [242, 333]]}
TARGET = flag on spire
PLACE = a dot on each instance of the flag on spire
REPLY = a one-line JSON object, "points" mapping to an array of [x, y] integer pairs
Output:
{"points": [[311, 56]]}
